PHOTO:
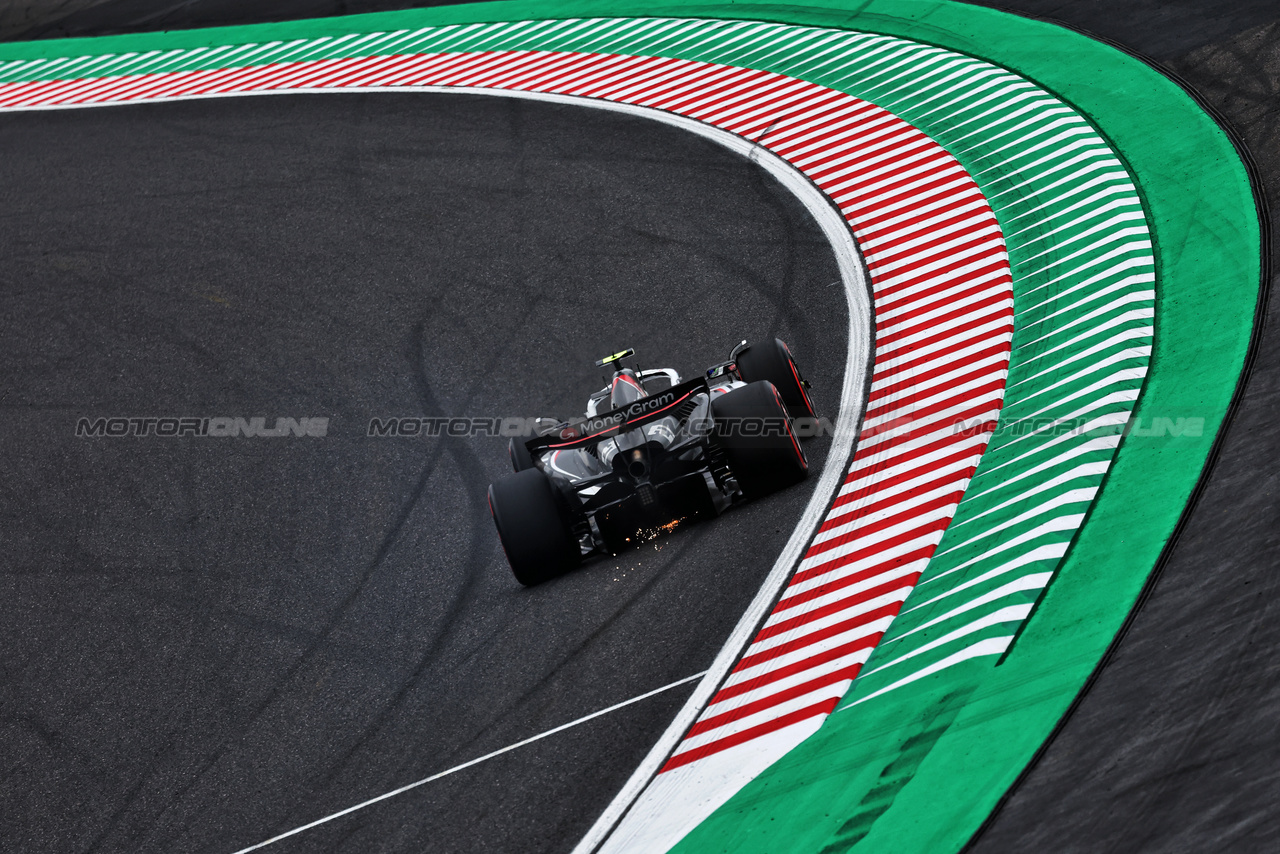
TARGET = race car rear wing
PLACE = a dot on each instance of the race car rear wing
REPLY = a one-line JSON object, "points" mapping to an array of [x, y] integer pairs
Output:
{"points": [[588, 431]]}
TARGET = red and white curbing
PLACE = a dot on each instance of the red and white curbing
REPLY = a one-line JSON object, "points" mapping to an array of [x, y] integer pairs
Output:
{"points": [[943, 302]]}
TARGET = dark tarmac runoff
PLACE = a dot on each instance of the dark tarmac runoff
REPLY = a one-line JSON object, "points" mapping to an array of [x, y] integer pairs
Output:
{"points": [[212, 643], [212, 640]]}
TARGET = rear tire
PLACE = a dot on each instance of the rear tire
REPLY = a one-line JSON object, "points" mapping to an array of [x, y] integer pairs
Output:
{"points": [[771, 360], [521, 459], [753, 428], [534, 527]]}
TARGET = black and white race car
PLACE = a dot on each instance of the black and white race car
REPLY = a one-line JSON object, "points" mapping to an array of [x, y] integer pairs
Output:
{"points": [[653, 451]]}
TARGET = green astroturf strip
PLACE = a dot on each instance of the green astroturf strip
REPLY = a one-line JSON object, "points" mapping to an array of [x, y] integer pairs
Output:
{"points": [[917, 768]]}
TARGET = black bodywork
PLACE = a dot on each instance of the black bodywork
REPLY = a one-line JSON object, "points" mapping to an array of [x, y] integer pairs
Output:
{"points": [[653, 480]]}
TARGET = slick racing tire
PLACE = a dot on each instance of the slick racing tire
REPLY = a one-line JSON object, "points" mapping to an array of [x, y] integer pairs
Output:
{"points": [[753, 429], [521, 459], [534, 527], [771, 360]]}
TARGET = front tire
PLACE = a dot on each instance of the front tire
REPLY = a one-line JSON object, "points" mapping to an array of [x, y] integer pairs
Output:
{"points": [[534, 527], [772, 361], [753, 428]]}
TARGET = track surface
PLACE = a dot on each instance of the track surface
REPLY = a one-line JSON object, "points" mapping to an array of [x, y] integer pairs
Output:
{"points": [[215, 640], [1172, 749]]}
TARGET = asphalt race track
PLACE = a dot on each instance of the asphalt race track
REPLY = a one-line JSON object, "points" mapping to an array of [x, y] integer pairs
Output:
{"points": [[213, 641]]}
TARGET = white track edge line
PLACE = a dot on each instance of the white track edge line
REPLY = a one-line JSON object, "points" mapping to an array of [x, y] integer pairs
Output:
{"points": [[852, 403], [469, 763]]}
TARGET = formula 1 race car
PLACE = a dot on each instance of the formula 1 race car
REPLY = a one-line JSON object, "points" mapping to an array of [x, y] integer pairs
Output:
{"points": [[652, 452]]}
